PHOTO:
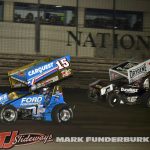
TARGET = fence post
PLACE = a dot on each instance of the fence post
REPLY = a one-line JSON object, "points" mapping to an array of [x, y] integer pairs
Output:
{"points": [[114, 24], [77, 28], [37, 29]]}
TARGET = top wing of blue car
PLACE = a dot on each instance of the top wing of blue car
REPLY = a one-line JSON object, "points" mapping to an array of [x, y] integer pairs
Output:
{"points": [[40, 73]]}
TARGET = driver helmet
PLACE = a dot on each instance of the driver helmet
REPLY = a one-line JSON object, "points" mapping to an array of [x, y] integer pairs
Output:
{"points": [[45, 90], [12, 96]]}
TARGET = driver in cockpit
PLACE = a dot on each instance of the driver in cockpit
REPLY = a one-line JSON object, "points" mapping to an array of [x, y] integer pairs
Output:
{"points": [[47, 94]]}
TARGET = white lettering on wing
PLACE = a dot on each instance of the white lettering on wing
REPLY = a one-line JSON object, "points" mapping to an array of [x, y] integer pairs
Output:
{"points": [[40, 69]]}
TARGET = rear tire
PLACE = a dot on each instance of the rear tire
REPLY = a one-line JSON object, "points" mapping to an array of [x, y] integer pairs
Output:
{"points": [[146, 98], [113, 99], [62, 114], [148, 102], [93, 94], [8, 114]]}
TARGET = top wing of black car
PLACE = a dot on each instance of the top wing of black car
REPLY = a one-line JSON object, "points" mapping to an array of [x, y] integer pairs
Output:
{"points": [[130, 70]]}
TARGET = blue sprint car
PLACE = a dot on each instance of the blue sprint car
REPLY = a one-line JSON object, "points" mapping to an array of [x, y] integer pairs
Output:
{"points": [[42, 100]]}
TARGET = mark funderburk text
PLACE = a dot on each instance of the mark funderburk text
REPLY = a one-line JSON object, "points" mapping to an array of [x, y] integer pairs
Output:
{"points": [[103, 139]]}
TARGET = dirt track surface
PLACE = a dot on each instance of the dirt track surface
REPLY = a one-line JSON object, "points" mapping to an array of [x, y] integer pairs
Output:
{"points": [[91, 119]]}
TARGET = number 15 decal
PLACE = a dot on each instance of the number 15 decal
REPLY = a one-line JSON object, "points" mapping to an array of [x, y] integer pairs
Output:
{"points": [[63, 63]]}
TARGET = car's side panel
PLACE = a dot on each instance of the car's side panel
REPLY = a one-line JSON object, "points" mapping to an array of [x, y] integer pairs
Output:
{"points": [[27, 101]]}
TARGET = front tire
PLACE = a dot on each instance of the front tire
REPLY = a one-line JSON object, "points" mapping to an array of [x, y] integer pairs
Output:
{"points": [[8, 114], [62, 114], [113, 99]]}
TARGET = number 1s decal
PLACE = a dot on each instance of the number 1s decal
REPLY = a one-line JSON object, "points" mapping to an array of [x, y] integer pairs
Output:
{"points": [[63, 63]]}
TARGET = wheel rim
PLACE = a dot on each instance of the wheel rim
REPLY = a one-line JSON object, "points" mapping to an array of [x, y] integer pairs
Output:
{"points": [[9, 115], [65, 115]]}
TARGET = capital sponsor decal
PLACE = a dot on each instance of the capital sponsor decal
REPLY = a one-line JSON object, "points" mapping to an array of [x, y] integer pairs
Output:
{"points": [[10, 139], [137, 71], [129, 90], [31, 100], [40, 69]]}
